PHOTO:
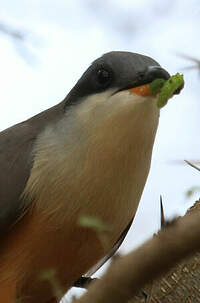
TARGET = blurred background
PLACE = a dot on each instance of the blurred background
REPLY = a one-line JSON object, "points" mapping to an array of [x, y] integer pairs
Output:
{"points": [[46, 45]]}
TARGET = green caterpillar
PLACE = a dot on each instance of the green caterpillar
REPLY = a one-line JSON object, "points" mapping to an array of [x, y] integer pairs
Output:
{"points": [[166, 88]]}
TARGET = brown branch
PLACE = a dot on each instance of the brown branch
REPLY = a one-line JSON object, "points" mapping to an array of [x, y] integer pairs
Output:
{"points": [[128, 274], [181, 284]]}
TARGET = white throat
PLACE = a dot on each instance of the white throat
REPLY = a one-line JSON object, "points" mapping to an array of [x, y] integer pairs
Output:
{"points": [[97, 156]]}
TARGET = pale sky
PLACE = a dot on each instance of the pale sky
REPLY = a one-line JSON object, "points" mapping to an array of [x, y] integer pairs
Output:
{"points": [[64, 37]]}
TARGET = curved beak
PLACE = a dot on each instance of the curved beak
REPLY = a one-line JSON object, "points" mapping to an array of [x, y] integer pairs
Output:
{"points": [[142, 85]]}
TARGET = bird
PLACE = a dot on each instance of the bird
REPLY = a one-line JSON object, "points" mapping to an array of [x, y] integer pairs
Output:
{"points": [[88, 156]]}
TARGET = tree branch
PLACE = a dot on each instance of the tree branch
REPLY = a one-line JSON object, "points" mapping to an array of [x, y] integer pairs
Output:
{"points": [[128, 274]]}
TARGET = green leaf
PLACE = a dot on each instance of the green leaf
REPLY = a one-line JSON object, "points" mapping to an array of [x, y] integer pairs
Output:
{"points": [[95, 223], [50, 276], [190, 192]]}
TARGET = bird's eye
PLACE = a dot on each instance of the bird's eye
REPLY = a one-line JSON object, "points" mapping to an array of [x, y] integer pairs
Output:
{"points": [[103, 77]]}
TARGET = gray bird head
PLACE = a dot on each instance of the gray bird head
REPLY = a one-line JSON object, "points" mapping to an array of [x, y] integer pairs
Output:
{"points": [[116, 71], [103, 100]]}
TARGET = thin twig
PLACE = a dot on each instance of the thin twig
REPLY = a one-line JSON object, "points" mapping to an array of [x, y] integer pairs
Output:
{"points": [[162, 215], [191, 164], [192, 59], [15, 34]]}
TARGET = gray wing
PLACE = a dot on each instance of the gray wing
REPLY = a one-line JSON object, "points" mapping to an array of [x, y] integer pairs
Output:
{"points": [[111, 252], [16, 144]]}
